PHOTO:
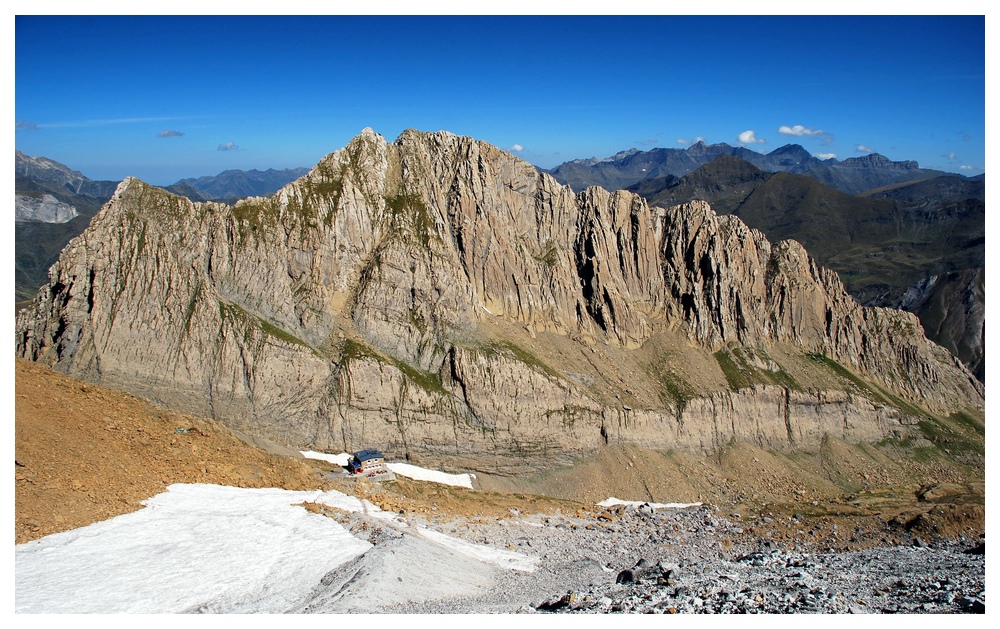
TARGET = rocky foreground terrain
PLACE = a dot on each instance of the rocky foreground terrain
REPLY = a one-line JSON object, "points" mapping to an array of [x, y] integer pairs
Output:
{"points": [[910, 538], [698, 560]]}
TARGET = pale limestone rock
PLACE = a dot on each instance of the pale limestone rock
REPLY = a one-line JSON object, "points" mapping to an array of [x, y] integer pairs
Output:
{"points": [[361, 306], [43, 209]]}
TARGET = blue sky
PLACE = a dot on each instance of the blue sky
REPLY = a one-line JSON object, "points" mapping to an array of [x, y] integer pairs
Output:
{"points": [[164, 98]]}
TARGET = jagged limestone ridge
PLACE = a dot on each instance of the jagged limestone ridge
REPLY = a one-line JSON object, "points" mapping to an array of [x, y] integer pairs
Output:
{"points": [[350, 306]]}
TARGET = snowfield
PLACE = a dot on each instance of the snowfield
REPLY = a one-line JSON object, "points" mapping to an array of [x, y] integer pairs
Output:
{"points": [[209, 548], [193, 548]]}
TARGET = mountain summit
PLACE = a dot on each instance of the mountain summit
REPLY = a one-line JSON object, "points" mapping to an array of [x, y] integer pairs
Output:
{"points": [[627, 169], [442, 298]]}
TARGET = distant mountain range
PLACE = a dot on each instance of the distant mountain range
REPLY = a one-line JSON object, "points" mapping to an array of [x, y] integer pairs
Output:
{"points": [[852, 176], [917, 245], [54, 203], [231, 185]]}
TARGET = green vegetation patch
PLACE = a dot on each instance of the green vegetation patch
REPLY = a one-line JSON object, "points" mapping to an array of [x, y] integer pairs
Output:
{"points": [[967, 421], [156, 203], [256, 213], [673, 387], [955, 439], [524, 356], [408, 213], [550, 255], [869, 390], [189, 309], [248, 321], [326, 183], [741, 374], [959, 434], [429, 381]]}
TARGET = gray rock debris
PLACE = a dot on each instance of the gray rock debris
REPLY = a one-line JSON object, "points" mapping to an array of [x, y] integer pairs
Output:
{"points": [[676, 566]]}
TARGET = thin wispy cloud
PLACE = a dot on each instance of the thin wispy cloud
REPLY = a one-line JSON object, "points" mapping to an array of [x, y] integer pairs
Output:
{"points": [[682, 141], [864, 149], [750, 137], [966, 167], [169, 133], [30, 126], [653, 140], [228, 146], [106, 121]]}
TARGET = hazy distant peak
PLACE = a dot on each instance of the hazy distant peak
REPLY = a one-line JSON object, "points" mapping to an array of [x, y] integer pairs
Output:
{"points": [[621, 155]]}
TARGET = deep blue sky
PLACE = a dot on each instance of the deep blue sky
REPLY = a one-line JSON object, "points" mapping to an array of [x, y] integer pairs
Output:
{"points": [[162, 98]]}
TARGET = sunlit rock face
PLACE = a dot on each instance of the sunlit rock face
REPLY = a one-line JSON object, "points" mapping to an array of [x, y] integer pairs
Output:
{"points": [[440, 298]]}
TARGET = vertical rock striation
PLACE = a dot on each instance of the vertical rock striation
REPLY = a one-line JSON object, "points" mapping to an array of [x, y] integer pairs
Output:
{"points": [[387, 297]]}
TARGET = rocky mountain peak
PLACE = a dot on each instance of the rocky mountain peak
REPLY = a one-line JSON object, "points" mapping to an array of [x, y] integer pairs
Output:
{"points": [[442, 297], [875, 160], [44, 168]]}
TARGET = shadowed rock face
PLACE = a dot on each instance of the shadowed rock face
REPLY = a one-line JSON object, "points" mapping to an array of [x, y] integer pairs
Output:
{"points": [[389, 297]]}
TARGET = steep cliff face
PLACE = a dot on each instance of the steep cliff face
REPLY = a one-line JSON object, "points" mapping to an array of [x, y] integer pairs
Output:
{"points": [[441, 298]]}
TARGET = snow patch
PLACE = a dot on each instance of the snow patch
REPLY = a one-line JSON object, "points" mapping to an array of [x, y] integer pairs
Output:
{"points": [[496, 556], [420, 473], [337, 459], [613, 502], [401, 469]]}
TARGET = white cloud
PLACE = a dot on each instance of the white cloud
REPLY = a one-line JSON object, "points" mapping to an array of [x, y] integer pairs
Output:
{"points": [[799, 130], [228, 146], [516, 148], [698, 139], [965, 167], [864, 149], [951, 156], [108, 121], [826, 155], [750, 137], [682, 141]]}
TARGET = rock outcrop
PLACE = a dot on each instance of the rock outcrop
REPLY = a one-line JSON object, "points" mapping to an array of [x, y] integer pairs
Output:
{"points": [[44, 209], [441, 298]]}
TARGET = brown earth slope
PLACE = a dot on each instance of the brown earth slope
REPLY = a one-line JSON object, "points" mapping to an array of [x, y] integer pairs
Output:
{"points": [[85, 453]]}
